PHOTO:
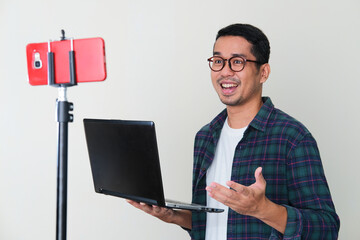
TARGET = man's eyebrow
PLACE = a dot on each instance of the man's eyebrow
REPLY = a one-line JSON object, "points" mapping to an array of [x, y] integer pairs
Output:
{"points": [[238, 55], [232, 55]]}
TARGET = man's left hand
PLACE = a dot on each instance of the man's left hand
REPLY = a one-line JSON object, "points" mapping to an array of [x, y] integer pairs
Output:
{"points": [[246, 200]]}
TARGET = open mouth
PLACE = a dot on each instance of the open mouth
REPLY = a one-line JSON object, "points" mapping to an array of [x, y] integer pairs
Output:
{"points": [[228, 85], [228, 88]]}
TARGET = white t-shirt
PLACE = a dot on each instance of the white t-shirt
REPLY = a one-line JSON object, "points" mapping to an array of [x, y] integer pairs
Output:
{"points": [[220, 172]]}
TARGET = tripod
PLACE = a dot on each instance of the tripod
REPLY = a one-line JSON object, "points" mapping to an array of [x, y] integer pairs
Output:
{"points": [[63, 118]]}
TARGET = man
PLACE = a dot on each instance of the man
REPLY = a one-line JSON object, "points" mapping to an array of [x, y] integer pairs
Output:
{"points": [[257, 162]]}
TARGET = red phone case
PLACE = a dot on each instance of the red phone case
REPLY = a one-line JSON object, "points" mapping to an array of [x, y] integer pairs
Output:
{"points": [[90, 65]]}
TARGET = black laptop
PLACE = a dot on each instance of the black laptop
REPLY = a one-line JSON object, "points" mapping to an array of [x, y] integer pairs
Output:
{"points": [[125, 162]]}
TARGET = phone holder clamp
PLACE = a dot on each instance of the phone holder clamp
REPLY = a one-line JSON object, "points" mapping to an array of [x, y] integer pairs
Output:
{"points": [[51, 68]]}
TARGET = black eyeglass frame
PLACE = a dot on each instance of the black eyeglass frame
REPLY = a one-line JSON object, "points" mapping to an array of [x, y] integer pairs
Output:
{"points": [[210, 60]]}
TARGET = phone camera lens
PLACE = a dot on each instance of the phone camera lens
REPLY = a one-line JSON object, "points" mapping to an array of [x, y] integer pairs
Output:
{"points": [[37, 61]]}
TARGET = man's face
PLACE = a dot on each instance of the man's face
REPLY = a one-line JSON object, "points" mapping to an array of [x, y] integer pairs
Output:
{"points": [[236, 88]]}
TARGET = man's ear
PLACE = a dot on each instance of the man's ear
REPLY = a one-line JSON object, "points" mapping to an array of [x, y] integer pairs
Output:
{"points": [[265, 72]]}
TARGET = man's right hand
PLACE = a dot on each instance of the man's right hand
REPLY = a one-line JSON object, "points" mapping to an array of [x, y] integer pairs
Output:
{"points": [[179, 217], [164, 214]]}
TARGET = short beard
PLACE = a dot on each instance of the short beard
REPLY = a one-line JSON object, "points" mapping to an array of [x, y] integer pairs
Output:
{"points": [[232, 103]]}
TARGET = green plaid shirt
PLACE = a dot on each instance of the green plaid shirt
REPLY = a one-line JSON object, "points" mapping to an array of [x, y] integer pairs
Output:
{"points": [[292, 169]]}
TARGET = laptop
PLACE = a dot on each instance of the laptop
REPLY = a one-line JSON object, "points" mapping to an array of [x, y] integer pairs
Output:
{"points": [[125, 162]]}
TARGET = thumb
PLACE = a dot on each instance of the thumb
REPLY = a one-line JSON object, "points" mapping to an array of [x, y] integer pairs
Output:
{"points": [[259, 178]]}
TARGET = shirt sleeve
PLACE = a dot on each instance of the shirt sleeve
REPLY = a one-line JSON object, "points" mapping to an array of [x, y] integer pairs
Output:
{"points": [[311, 212]]}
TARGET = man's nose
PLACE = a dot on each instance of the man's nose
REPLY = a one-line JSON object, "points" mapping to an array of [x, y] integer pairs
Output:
{"points": [[227, 71]]}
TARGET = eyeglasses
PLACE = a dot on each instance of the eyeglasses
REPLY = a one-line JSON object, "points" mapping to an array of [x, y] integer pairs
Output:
{"points": [[236, 63]]}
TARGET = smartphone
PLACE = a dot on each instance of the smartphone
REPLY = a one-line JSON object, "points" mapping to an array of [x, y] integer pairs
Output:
{"points": [[90, 65]]}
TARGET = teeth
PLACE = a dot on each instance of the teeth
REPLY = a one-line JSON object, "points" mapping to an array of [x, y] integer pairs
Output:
{"points": [[228, 85]]}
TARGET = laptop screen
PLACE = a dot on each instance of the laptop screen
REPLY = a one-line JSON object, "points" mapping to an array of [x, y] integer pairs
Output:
{"points": [[124, 159]]}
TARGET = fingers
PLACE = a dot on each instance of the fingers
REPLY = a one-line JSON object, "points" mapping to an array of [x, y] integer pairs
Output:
{"points": [[215, 188], [136, 204], [258, 175], [259, 178], [258, 171], [221, 193], [156, 211], [142, 206], [238, 188]]}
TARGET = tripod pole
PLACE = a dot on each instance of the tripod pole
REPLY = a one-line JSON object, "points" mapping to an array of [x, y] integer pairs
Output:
{"points": [[63, 117]]}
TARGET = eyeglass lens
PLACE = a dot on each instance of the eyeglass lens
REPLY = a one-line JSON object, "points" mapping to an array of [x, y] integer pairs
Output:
{"points": [[236, 63]]}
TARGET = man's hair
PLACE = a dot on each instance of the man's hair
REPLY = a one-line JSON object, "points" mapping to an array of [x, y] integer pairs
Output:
{"points": [[260, 44]]}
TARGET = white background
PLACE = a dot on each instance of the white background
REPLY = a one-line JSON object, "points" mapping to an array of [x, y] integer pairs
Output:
{"points": [[157, 70]]}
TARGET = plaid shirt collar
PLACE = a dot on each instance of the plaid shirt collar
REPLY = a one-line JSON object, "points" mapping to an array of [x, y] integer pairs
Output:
{"points": [[259, 122]]}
